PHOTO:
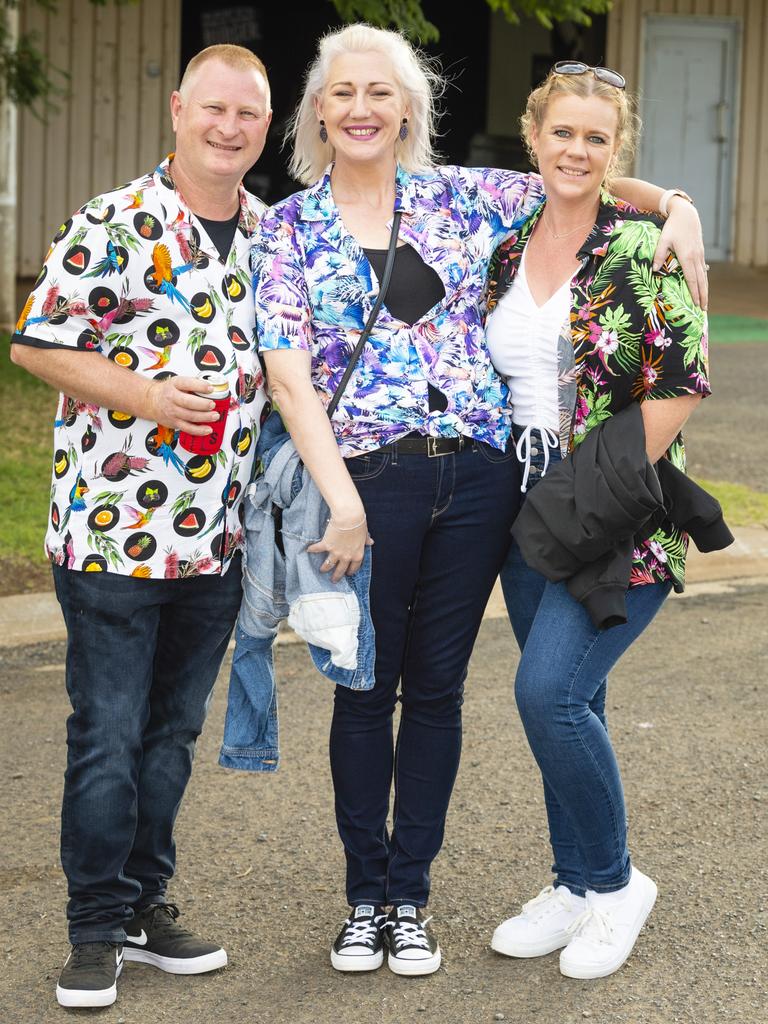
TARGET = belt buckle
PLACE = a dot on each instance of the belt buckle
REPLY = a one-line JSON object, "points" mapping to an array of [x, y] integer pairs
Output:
{"points": [[432, 452]]}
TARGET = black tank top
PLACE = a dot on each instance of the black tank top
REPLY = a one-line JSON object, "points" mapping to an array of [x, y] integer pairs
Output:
{"points": [[414, 288]]}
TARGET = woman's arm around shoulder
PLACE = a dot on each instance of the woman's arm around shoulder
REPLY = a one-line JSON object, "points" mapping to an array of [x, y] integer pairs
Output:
{"points": [[681, 234]]}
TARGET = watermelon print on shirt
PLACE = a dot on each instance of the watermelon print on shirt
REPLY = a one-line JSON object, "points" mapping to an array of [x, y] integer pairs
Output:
{"points": [[134, 276]]}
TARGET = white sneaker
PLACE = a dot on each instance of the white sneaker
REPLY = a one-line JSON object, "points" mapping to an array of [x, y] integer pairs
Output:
{"points": [[606, 932], [542, 926]]}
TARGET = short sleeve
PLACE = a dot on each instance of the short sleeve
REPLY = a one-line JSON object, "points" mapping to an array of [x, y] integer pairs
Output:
{"points": [[505, 199], [283, 315], [675, 350], [64, 307]]}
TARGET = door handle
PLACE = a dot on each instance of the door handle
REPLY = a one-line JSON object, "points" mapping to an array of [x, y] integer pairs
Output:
{"points": [[721, 111]]}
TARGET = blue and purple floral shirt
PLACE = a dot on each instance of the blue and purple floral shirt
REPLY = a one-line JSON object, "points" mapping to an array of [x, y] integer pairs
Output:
{"points": [[314, 289]]}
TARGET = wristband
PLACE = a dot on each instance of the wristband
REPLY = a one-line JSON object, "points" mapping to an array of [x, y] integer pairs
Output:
{"points": [[666, 196]]}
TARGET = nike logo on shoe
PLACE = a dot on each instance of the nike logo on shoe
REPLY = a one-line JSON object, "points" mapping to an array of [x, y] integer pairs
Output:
{"points": [[138, 940]]}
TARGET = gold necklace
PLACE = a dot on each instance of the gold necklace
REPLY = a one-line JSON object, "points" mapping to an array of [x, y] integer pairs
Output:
{"points": [[565, 233]]}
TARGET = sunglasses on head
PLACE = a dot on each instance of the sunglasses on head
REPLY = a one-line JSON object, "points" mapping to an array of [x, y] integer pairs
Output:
{"points": [[576, 67]]}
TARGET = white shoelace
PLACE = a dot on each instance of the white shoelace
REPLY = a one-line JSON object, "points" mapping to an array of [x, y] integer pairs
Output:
{"points": [[549, 439], [548, 895], [406, 933], [593, 925], [361, 933]]}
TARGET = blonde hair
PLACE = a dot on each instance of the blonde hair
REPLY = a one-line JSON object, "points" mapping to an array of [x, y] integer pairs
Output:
{"points": [[416, 75], [237, 57], [627, 126]]}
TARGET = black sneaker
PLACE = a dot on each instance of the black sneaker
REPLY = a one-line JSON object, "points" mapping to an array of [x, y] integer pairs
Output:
{"points": [[154, 937], [360, 944], [89, 975], [413, 949]]}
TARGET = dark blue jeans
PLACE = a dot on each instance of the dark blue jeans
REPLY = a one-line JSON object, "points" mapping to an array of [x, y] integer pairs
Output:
{"points": [[441, 532], [142, 658], [560, 690]]}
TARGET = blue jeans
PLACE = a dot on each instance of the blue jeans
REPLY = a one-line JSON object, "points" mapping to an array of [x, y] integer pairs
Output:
{"points": [[142, 658], [441, 532], [560, 691]]}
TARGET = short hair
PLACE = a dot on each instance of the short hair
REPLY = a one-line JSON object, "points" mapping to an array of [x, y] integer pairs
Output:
{"points": [[237, 57], [415, 73], [628, 124]]}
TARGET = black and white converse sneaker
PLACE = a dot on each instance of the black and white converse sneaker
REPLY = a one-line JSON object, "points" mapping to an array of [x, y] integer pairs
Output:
{"points": [[154, 937], [413, 949], [360, 943], [89, 975]]}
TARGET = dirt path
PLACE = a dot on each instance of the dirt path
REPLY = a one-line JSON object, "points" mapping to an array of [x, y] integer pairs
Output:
{"points": [[260, 867]]}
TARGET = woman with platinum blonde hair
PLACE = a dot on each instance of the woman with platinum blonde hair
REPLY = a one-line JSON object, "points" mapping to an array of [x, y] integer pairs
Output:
{"points": [[417, 78], [414, 457]]}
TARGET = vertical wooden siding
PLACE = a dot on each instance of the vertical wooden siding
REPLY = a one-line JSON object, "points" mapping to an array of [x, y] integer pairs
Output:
{"points": [[624, 51], [112, 124]]}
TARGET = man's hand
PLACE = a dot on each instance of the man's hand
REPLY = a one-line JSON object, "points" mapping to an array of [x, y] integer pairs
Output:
{"points": [[682, 235], [90, 377], [176, 402]]}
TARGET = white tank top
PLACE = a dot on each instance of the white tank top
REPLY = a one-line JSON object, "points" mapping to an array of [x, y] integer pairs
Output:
{"points": [[522, 341]]}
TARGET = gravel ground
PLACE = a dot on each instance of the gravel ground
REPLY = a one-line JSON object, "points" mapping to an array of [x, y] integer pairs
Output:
{"points": [[260, 867], [722, 434]]}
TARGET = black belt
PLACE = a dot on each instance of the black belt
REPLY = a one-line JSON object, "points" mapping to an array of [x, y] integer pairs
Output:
{"points": [[430, 446]]}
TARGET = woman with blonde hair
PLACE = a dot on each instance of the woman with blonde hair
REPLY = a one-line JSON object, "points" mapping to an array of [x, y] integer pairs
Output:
{"points": [[414, 456], [584, 329]]}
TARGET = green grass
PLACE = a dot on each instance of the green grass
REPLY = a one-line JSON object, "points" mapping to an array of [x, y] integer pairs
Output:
{"points": [[27, 411], [742, 506], [27, 408], [725, 330]]}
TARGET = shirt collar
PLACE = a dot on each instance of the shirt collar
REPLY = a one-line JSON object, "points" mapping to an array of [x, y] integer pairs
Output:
{"points": [[609, 211], [178, 211], [318, 201]]}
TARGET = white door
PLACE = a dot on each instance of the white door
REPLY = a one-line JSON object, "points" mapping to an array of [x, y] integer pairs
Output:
{"points": [[689, 116]]}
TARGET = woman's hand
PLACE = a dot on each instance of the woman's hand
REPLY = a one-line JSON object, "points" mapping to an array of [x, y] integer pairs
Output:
{"points": [[682, 235], [345, 547]]}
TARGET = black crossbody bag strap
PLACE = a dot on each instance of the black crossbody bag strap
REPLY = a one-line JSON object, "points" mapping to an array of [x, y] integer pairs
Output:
{"points": [[372, 318]]}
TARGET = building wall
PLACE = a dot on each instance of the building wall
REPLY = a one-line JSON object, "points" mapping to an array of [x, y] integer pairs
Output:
{"points": [[111, 125], [511, 52], [624, 51]]}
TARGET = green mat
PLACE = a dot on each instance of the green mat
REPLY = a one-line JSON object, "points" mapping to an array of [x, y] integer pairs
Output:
{"points": [[729, 329]]}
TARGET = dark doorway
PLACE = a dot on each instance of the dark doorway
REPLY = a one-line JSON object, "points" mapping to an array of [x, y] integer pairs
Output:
{"points": [[284, 36]]}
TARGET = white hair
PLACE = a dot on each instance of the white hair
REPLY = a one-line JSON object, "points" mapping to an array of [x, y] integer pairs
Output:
{"points": [[415, 74]]}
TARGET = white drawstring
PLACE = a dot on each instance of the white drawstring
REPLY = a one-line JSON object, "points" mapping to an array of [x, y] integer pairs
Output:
{"points": [[549, 439]]}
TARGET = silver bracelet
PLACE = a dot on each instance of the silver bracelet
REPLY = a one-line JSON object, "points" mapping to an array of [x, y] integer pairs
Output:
{"points": [[347, 529]]}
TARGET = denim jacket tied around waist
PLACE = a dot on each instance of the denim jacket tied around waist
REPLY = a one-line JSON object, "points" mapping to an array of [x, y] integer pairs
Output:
{"points": [[333, 618]]}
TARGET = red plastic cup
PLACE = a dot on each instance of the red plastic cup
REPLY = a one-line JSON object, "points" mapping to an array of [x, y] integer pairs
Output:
{"points": [[209, 444]]}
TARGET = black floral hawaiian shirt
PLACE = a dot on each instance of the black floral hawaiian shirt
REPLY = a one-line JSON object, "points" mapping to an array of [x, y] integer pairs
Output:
{"points": [[632, 335]]}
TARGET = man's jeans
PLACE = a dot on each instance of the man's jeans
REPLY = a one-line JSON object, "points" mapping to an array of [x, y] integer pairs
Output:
{"points": [[560, 691], [441, 531], [142, 658]]}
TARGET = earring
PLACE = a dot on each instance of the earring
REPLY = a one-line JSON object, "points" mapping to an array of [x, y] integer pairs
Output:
{"points": [[404, 130], [323, 132]]}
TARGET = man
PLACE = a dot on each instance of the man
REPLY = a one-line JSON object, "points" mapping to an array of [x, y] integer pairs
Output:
{"points": [[144, 289]]}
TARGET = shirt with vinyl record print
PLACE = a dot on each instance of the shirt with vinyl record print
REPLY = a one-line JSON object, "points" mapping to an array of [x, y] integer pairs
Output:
{"points": [[135, 276]]}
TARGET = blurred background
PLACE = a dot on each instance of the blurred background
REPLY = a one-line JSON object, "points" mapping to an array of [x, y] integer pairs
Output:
{"points": [[84, 87]]}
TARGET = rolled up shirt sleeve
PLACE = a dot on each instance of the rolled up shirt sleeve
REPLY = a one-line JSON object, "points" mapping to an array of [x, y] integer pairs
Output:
{"points": [[675, 346]]}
